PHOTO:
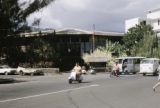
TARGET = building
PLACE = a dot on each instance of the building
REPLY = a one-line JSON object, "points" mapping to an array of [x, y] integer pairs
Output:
{"points": [[132, 22], [70, 43], [75, 39], [152, 17]]}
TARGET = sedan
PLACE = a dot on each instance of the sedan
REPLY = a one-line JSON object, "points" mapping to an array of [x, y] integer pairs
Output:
{"points": [[5, 69], [31, 71]]}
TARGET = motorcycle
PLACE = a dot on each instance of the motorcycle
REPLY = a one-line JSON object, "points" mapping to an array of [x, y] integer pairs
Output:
{"points": [[92, 71], [114, 73], [74, 77], [84, 72]]}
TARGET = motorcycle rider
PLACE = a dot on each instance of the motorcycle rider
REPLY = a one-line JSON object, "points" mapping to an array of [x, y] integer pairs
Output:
{"points": [[77, 69], [115, 69]]}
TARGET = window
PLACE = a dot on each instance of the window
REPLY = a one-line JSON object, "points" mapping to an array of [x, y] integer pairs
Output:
{"points": [[147, 61], [137, 61], [130, 61], [143, 23]]}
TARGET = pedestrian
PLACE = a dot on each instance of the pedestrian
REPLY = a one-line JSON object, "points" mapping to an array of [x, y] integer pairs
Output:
{"points": [[157, 84], [124, 67]]}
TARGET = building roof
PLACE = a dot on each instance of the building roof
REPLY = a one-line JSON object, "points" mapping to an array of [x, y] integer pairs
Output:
{"points": [[71, 31]]}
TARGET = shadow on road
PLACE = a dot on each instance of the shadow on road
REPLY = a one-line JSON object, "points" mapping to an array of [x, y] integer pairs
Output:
{"points": [[83, 82], [10, 81]]}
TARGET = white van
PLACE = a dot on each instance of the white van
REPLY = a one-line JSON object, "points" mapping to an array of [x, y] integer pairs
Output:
{"points": [[149, 66], [129, 65]]}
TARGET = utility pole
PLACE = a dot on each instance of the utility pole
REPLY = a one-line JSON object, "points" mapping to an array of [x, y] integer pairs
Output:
{"points": [[93, 38]]}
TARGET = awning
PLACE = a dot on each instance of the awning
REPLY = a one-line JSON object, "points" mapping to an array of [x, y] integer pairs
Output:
{"points": [[97, 59]]}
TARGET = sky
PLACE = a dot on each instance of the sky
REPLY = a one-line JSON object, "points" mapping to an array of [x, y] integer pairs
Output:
{"points": [[106, 15]]}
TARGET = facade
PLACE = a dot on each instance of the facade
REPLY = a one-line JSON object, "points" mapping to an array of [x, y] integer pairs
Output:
{"points": [[70, 43], [83, 40], [152, 17]]}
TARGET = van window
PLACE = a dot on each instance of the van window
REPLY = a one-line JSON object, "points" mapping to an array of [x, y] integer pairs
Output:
{"points": [[130, 61], [147, 61], [137, 61]]}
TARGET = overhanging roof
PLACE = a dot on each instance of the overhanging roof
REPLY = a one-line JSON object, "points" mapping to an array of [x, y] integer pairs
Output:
{"points": [[71, 31], [89, 32]]}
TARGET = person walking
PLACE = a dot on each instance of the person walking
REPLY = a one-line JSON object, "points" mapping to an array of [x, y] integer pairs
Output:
{"points": [[157, 84]]}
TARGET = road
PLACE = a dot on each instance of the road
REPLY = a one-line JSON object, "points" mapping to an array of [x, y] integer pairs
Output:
{"points": [[96, 91]]}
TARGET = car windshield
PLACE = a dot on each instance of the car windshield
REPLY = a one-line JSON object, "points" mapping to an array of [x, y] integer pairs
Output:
{"points": [[147, 61]]}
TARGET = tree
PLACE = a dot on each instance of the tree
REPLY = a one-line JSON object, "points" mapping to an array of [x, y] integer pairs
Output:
{"points": [[134, 35], [148, 46], [13, 14]]}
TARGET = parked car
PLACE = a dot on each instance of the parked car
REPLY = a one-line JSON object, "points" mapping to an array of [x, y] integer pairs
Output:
{"points": [[149, 66], [30, 71], [5, 69]]}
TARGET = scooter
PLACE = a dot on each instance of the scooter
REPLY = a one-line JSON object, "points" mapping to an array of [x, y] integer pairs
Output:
{"points": [[74, 77], [92, 71], [84, 71]]}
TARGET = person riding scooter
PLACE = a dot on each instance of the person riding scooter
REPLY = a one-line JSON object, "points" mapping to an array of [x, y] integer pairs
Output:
{"points": [[77, 69], [76, 74], [115, 69]]}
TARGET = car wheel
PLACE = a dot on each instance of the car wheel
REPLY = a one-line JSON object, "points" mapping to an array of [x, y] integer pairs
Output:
{"points": [[70, 81], [134, 72], [144, 74], [80, 81], [126, 72], [21, 73], [6, 73], [155, 74], [32, 74]]}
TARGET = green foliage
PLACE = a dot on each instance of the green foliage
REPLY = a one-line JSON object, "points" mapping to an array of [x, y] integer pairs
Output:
{"points": [[142, 41], [41, 50], [13, 14], [97, 53], [148, 47], [135, 35], [107, 52], [114, 48]]}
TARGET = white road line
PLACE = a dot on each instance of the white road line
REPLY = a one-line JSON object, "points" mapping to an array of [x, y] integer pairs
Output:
{"points": [[44, 94]]}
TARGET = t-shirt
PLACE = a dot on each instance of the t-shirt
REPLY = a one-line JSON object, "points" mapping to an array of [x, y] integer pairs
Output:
{"points": [[115, 67], [77, 69]]}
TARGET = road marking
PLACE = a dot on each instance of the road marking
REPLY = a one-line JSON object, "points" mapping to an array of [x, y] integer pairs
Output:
{"points": [[45, 94]]}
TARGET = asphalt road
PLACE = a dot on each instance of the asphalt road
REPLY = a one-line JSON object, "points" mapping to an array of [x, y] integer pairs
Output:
{"points": [[96, 91]]}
